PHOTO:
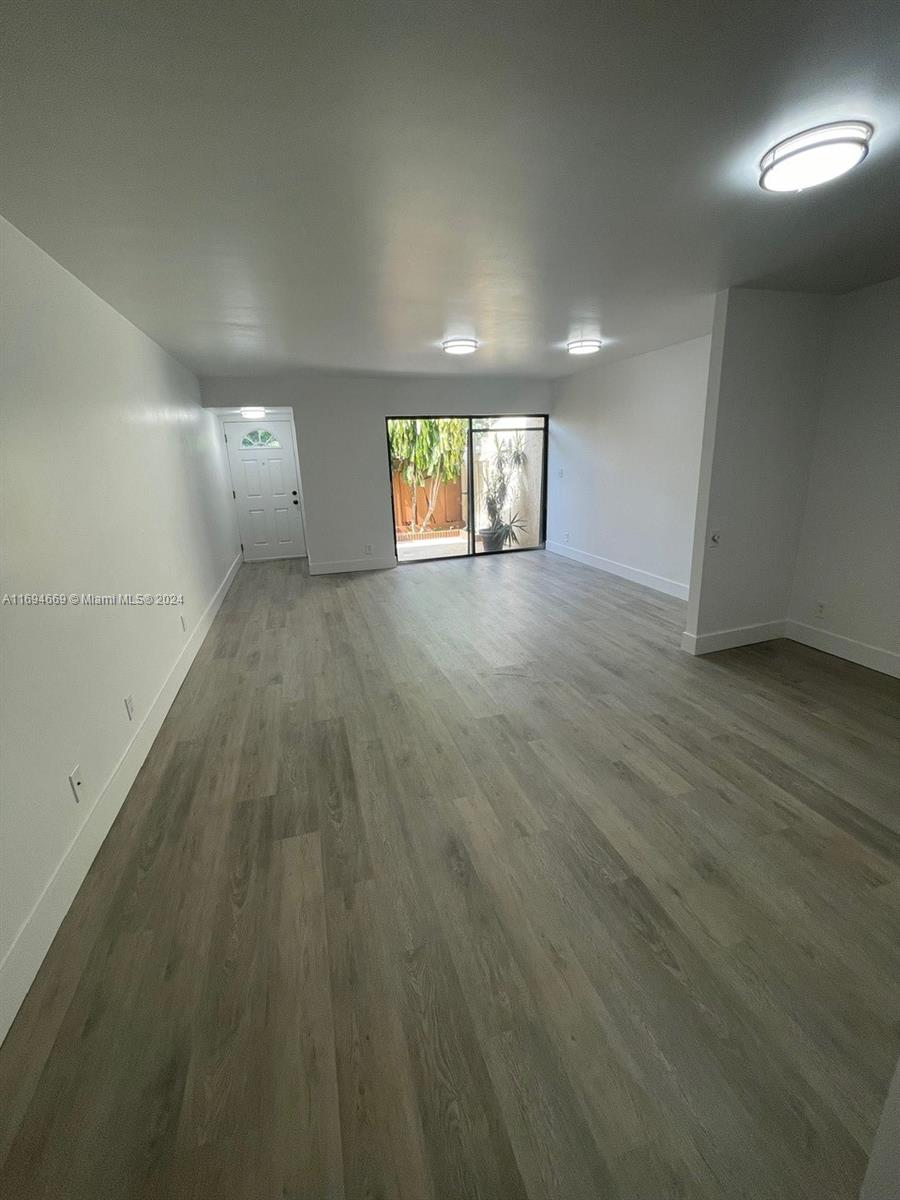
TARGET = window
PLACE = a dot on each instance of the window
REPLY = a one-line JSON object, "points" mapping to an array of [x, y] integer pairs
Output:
{"points": [[260, 437]]}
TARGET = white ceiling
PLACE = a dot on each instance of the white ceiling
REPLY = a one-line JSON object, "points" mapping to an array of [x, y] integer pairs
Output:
{"points": [[265, 185]]}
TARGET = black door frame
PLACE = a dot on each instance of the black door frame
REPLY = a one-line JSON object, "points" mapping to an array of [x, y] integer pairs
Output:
{"points": [[471, 551]]}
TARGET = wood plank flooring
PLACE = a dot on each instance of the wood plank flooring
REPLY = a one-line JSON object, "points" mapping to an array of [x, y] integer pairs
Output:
{"points": [[462, 880]]}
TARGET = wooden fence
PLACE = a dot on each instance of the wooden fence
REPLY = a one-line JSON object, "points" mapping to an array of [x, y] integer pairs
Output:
{"points": [[448, 509]]}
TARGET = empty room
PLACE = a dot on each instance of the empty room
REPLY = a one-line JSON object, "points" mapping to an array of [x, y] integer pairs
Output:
{"points": [[450, 601]]}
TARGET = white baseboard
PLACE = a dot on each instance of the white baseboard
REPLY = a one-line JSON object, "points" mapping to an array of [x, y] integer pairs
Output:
{"points": [[886, 661], [274, 558], [727, 639], [658, 582], [875, 657], [21, 962], [351, 564]]}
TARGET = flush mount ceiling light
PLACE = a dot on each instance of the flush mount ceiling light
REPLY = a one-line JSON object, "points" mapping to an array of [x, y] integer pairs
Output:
{"points": [[253, 414], [459, 345], [584, 345], [814, 156]]}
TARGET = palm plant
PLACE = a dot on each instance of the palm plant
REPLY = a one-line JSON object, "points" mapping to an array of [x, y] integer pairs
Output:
{"points": [[509, 459]]}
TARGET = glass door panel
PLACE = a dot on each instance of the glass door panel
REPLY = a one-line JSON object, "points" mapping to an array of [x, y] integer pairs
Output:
{"points": [[508, 483], [429, 486]]}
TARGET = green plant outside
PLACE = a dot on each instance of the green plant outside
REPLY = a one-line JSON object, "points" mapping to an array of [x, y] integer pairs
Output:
{"points": [[508, 461], [426, 452]]}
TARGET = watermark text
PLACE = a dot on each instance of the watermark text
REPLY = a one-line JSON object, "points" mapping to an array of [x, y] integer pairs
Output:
{"points": [[91, 599]]}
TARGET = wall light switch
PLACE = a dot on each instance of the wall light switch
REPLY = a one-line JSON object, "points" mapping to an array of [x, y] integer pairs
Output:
{"points": [[715, 539]]}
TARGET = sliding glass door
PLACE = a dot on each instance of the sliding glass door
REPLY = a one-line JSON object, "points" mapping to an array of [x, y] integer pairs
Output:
{"points": [[508, 483], [467, 485]]}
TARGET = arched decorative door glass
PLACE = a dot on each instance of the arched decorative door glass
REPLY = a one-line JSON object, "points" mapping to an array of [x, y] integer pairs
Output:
{"points": [[260, 437]]}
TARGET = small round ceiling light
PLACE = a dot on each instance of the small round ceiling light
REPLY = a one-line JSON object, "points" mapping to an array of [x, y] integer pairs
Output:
{"points": [[815, 156], [459, 345], [584, 345]]}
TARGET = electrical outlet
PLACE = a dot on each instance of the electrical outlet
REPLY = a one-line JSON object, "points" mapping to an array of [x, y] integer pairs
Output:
{"points": [[566, 538], [129, 707], [560, 473], [820, 610], [183, 625], [715, 539], [367, 549], [75, 783]]}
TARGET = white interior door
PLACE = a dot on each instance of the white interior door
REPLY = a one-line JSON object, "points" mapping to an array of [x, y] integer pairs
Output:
{"points": [[266, 490]]}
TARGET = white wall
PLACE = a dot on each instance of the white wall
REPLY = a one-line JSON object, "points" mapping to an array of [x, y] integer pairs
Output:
{"points": [[882, 1181], [113, 480], [343, 444], [624, 463], [768, 350], [849, 556], [799, 474]]}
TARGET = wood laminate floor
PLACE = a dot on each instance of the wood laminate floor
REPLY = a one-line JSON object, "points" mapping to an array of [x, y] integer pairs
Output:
{"points": [[462, 880]]}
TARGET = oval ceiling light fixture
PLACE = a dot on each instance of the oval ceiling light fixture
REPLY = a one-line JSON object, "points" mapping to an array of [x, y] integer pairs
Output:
{"points": [[459, 345], [584, 345], [253, 414], [815, 156]]}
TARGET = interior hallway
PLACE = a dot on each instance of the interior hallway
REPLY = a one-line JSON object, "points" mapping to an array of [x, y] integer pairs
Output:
{"points": [[463, 880]]}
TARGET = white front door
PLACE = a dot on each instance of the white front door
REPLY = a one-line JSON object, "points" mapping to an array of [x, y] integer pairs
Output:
{"points": [[266, 490]]}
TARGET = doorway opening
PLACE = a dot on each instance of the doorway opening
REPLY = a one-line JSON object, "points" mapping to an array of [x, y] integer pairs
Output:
{"points": [[464, 486]]}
